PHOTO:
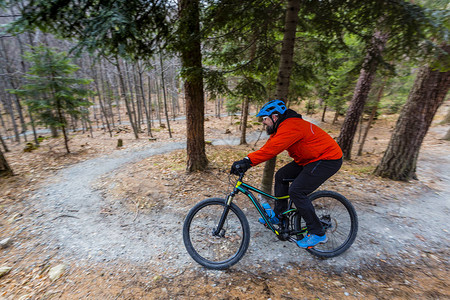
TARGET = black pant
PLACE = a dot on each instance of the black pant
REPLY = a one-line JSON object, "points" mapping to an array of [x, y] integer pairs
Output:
{"points": [[307, 179]]}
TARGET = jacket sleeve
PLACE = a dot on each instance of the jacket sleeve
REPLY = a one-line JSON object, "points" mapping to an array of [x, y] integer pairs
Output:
{"points": [[276, 144]]}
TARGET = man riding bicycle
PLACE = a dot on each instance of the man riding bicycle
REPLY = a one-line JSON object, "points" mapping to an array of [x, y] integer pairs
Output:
{"points": [[316, 156]]}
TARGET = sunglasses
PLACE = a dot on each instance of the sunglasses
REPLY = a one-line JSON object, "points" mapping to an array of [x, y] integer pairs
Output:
{"points": [[265, 117]]}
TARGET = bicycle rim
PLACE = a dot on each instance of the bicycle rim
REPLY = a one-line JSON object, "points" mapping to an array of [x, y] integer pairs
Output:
{"points": [[216, 251]]}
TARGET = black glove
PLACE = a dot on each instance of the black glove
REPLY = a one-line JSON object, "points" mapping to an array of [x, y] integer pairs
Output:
{"points": [[241, 166]]}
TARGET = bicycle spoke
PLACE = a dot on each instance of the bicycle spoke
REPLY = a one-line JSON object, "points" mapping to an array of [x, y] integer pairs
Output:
{"points": [[216, 248]]}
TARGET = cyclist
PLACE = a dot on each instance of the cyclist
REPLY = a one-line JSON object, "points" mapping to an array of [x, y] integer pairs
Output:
{"points": [[316, 156]]}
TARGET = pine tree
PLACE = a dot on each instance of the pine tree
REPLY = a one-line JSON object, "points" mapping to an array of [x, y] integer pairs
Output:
{"points": [[52, 92]]}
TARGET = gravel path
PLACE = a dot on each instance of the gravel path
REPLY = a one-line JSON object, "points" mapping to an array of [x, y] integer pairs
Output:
{"points": [[78, 222]]}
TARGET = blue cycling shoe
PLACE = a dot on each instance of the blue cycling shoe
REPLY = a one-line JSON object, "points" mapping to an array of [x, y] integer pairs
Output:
{"points": [[311, 240], [272, 218]]}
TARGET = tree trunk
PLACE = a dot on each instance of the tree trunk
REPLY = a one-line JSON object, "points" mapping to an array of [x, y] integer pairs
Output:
{"points": [[146, 109], [127, 102], [371, 118], [117, 91], [244, 122], [336, 116], [191, 58], [366, 76], [428, 93], [109, 94], [245, 104], [5, 169], [33, 126], [6, 100], [5, 147], [323, 112], [166, 111], [54, 131], [287, 49], [284, 75], [139, 96], [62, 120], [131, 95], [269, 168], [100, 95], [24, 70], [218, 105], [20, 108], [105, 103], [158, 100], [150, 100], [14, 85]]}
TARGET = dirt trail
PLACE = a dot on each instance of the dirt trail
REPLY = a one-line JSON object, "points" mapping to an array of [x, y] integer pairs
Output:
{"points": [[76, 220], [83, 217]]}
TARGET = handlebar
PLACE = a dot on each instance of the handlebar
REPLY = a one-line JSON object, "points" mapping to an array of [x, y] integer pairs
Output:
{"points": [[240, 171]]}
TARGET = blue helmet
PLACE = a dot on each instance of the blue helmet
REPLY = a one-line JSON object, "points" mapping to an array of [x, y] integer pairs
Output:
{"points": [[271, 107]]}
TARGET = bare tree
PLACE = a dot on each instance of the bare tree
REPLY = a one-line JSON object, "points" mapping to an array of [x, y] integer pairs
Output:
{"points": [[127, 100], [163, 86], [147, 110], [371, 118]]}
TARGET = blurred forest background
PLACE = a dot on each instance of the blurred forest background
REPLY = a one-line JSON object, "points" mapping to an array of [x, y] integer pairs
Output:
{"points": [[77, 66], [103, 81]]}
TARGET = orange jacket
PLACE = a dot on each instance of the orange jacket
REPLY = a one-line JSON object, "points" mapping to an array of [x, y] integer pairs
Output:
{"points": [[304, 141]]}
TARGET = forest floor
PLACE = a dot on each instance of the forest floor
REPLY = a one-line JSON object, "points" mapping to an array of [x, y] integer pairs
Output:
{"points": [[110, 219]]}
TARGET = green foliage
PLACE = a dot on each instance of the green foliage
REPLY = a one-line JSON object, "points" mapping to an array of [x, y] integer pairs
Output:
{"points": [[215, 83], [51, 92], [241, 35], [242, 39], [338, 73], [240, 43], [397, 89], [133, 29], [233, 105], [250, 87]]}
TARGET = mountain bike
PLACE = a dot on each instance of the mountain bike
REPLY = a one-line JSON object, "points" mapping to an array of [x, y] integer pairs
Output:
{"points": [[216, 232]]}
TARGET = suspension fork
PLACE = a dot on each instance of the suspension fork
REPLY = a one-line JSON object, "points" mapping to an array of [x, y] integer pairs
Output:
{"points": [[226, 209]]}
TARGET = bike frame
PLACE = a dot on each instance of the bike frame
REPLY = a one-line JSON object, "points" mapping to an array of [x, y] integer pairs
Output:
{"points": [[247, 189]]}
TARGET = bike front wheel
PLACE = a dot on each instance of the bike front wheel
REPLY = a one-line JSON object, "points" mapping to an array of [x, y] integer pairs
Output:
{"points": [[213, 247], [339, 219]]}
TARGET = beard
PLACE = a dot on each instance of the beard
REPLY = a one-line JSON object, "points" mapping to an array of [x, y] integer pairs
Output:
{"points": [[270, 129]]}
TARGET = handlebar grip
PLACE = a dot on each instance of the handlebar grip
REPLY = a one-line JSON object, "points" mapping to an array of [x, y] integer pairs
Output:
{"points": [[240, 169]]}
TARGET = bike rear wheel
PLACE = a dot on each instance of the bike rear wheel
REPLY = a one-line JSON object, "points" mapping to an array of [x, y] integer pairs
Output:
{"points": [[339, 219], [216, 251]]}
